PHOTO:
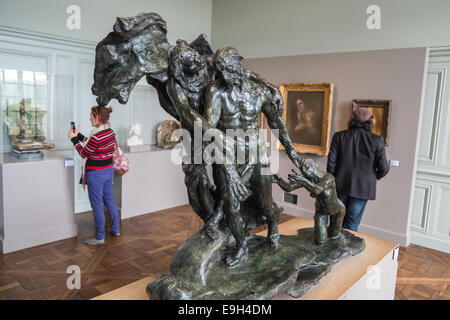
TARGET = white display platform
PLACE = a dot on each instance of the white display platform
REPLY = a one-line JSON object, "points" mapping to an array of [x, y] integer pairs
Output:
{"points": [[38, 201], [350, 278], [154, 182]]}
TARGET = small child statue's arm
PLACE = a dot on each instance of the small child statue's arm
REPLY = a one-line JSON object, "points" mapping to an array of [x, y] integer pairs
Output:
{"points": [[298, 179], [286, 186]]}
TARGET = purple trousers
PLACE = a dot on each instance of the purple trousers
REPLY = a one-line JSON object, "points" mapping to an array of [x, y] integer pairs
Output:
{"points": [[100, 189]]}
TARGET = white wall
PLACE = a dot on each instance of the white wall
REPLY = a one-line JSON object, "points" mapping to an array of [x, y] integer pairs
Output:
{"points": [[2, 223], [185, 19], [265, 28]]}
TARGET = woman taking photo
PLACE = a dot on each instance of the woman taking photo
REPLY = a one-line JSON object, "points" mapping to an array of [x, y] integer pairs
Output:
{"points": [[98, 170]]}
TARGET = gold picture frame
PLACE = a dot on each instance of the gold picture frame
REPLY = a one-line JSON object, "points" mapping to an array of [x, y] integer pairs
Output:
{"points": [[307, 115], [381, 110]]}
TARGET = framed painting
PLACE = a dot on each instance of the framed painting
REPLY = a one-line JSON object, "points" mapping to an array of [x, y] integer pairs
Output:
{"points": [[307, 115], [381, 110]]}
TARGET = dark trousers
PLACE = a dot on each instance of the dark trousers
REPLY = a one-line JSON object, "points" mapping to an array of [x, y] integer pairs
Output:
{"points": [[354, 211]]}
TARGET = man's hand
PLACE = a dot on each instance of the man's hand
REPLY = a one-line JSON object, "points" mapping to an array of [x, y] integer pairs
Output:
{"points": [[236, 185]]}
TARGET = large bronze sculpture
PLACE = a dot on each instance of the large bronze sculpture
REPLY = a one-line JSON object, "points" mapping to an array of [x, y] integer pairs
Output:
{"points": [[212, 93]]}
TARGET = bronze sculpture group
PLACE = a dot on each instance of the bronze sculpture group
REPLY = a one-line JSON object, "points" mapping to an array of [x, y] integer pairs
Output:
{"points": [[212, 92]]}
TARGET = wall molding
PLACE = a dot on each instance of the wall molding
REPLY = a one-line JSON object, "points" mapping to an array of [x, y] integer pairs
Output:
{"points": [[439, 51], [425, 240], [430, 158], [425, 210], [49, 38], [441, 189], [295, 211], [10, 244], [432, 173]]}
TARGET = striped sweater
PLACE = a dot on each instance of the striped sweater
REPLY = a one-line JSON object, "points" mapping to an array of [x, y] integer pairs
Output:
{"points": [[99, 150]]}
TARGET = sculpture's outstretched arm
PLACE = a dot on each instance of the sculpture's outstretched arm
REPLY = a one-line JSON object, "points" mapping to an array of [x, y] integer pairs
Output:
{"points": [[164, 99], [276, 122], [286, 186], [256, 77], [313, 188]]}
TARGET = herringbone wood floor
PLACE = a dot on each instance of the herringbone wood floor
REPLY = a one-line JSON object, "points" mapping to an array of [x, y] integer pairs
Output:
{"points": [[146, 247], [422, 274]]}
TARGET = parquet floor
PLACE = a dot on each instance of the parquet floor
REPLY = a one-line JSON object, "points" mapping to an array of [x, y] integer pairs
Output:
{"points": [[145, 248], [423, 274]]}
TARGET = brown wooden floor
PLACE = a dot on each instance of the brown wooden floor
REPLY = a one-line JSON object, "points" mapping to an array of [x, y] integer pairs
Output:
{"points": [[422, 274], [146, 246]]}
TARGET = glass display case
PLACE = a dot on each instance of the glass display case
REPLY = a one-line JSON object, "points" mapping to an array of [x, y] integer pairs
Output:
{"points": [[135, 123], [36, 110]]}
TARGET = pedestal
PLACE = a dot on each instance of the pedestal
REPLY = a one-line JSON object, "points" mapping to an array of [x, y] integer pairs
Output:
{"points": [[154, 182], [368, 275], [38, 201]]}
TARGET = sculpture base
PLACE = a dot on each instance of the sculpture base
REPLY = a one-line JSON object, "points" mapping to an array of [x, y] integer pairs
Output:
{"points": [[296, 265], [27, 155]]}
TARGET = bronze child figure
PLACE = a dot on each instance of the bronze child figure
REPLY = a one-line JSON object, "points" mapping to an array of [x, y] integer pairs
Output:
{"points": [[321, 185]]}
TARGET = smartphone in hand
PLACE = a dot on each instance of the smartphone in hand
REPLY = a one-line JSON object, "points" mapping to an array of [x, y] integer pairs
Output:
{"points": [[72, 125]]}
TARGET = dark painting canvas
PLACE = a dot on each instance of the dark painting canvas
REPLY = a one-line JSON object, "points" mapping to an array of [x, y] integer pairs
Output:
{"points": [[304, 117]]}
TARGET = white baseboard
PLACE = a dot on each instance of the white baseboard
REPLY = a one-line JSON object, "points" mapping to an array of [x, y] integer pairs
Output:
{"points": [[296, 211], [363, 228], [132, 211], [82, 206], [38, 238], [385, 234], [428, 241]]}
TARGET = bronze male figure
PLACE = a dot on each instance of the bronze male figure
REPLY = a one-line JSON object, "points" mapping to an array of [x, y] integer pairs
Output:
{"points": [[233, 101]]}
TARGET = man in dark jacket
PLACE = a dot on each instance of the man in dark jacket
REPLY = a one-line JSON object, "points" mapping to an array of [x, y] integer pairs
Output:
{"points": [[357, 159]]}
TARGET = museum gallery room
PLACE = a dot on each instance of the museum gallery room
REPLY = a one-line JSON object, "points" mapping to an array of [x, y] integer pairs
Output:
{"points": [[225, 150]]}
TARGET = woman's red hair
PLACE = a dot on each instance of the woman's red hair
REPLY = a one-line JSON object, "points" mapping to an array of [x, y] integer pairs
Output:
{"points": [[102, 113]]}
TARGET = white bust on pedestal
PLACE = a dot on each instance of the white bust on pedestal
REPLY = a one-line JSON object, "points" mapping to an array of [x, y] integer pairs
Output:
{"points": [[135, 131], [134, 143]]}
